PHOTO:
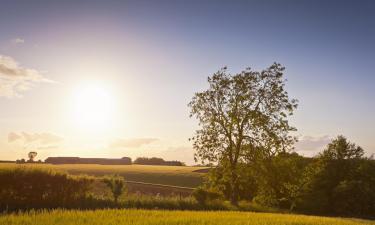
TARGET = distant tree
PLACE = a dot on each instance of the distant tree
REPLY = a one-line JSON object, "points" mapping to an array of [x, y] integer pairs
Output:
{"points": [[157, 161], [149, 161], [341, 148], [116, 184], [239, 114], [32, 156], [340, 181]]}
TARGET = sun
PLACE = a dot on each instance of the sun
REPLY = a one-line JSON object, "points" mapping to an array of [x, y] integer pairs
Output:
{"points": [[93, 108]]}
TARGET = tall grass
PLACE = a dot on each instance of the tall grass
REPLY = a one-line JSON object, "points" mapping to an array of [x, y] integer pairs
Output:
{"points": [[160, 217]]}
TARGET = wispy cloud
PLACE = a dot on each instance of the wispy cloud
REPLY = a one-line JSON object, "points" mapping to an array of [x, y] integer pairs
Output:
{"points": [[36, 140], [18, 41], [132, 143], [15, 79], [312, 144]]}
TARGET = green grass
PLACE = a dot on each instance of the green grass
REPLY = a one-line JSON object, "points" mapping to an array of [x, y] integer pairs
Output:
{"points": [[183, 176], [159, 217]]}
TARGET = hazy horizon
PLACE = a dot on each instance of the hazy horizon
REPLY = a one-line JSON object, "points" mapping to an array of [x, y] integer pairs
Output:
{"points": [[113, 79]]}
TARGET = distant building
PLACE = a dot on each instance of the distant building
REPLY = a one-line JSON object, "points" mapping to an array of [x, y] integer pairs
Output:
{"points": [[78, 160]]}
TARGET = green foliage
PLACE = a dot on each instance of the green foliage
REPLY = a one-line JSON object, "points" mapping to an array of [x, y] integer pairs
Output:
{"points": [[340, 181], [240, 114], [279, 179], [116, 184], [23, 188], [340, 149], [202, 196]]}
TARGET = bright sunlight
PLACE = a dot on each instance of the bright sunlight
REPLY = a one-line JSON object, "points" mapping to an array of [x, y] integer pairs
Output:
{"points": [[92, 108]]}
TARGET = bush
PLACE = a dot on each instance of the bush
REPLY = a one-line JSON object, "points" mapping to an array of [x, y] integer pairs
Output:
{"points": [[202, 195], [26, 188]]}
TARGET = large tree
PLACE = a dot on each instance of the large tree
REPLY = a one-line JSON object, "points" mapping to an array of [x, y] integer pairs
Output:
{"points": [[241, 114]]}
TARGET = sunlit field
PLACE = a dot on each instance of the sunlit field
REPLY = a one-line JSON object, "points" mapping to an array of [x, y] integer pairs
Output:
{"points": [[183, 176], [135, 217], [103, 104]]}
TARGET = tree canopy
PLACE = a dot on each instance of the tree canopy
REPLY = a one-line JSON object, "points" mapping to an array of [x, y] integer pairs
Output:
{"points": [[240, 114]]}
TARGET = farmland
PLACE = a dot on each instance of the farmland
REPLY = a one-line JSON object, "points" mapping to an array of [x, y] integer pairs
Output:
{"points": [[135, 217], [183, 176]]}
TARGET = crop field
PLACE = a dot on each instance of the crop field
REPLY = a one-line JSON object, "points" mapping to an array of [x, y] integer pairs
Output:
{"points": [[182, 176], [159, 217]]}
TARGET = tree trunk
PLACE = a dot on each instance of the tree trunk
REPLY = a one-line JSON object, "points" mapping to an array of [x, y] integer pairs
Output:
{"points": [[234, 188]]}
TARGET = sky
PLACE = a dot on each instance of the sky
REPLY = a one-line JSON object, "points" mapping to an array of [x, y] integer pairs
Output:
{"points": [[113, 78]]}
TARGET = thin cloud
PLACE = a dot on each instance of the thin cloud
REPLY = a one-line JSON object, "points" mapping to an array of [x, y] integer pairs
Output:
{"points": [[312, 144], [132, 143], [37, 140], [13, 137], [48, 147], [15, 79], [18, 41]]}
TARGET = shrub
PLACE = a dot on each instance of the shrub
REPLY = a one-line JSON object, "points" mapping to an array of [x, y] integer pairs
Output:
{"points": [[26, 188], [116, 184], [202, 195]]}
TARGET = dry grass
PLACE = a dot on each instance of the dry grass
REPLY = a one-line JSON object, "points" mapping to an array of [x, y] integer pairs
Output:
{"points": [[160, 217]]}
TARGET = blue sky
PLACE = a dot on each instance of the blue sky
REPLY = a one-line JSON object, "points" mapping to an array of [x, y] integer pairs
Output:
{"points": [[153, 55]]}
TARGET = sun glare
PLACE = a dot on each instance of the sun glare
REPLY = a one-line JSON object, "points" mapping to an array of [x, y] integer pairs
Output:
{"points": [[93, 108]]}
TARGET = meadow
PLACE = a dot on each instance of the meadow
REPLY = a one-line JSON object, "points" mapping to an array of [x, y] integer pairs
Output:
{"points": [[163, 217]]}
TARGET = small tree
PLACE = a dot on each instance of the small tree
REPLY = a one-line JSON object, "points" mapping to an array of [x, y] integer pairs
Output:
{"points": [[32, 156], [116, 184]]}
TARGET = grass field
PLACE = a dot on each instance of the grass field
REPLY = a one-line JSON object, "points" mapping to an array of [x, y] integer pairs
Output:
{"points": [[183, 176], [158, 217]]}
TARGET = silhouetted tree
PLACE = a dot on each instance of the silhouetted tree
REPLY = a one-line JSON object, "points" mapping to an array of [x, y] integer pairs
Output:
{"points": [[239, 114], [157, 161], [32, 156]]}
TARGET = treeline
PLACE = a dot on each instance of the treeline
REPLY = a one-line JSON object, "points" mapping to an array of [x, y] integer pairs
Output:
{"points": [[338, 181], [105, 161], [157, 161]]}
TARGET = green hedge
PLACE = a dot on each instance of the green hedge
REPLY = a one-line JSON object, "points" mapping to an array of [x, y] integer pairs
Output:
{"points": [[25, 188]]}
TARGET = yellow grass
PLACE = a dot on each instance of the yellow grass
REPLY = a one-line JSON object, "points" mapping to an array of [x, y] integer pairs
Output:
{"points": [[159, 217]]}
